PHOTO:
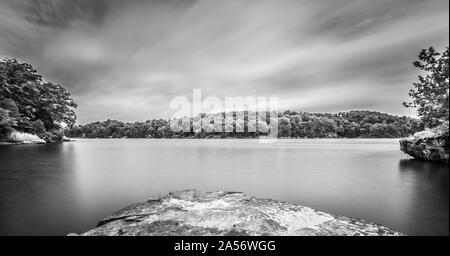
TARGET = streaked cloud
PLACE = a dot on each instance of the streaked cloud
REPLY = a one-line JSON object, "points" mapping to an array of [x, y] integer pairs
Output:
{"points": [[127, 60]]}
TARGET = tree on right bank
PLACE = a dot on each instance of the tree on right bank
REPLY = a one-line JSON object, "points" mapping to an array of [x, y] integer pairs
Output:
{"points": [[430, 96]]}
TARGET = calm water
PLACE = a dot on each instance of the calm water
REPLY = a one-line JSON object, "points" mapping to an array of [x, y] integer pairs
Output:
{"points": [[56, 189]]}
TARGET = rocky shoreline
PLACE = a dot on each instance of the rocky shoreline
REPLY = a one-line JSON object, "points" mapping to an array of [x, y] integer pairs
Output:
{"points": [[19, 138], [432, 144], [191, 212]]}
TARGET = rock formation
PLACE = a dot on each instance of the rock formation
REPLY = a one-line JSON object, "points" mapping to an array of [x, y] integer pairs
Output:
{"points": [[431, 144], [191, 212]]}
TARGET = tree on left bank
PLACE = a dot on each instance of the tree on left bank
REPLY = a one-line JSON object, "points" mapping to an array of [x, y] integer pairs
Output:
{"points": [[31, 105]]}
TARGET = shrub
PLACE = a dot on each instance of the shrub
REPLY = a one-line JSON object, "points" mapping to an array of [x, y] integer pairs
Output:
{"points": [[38, 126]]}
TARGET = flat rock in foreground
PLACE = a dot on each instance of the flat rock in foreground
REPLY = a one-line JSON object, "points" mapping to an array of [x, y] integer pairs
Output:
{"points": [[191, 212]]}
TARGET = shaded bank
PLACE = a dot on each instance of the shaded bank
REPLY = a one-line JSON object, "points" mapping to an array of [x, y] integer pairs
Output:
{"points": [[191, 212]]}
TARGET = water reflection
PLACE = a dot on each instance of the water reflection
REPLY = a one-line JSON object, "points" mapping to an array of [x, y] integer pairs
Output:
{"points": [[426, 182], [37, 196]]}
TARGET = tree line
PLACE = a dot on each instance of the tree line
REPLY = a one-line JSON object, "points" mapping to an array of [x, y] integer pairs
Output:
{"points": [[291, 124]]}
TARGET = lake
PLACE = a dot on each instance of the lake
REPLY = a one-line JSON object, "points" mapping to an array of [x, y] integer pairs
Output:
{"points": [[55, 189]]}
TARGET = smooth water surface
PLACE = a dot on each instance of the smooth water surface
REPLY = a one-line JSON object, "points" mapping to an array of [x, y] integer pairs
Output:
{"points": [[56, 189]]}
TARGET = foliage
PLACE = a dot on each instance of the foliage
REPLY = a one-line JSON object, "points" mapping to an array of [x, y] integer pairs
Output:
{"points": [[353, 124], [6, 123], [29, 104], [8, 116], [38, 126], [430, 94]]}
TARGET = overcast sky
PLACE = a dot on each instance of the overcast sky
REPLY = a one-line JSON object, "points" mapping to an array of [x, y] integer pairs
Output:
{"points": [[127, 60]]}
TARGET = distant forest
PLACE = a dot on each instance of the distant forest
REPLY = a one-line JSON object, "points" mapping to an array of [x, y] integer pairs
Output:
{"points": [[291, 124]]}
